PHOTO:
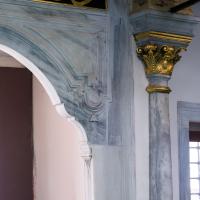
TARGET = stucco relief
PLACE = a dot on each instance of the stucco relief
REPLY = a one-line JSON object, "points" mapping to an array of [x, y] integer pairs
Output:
{"points": [[68, 48]]}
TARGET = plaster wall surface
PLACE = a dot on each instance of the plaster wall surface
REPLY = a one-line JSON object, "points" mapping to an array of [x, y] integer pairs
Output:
{"points": [[141, 129], [184, 83], [185, 87], [58, 169]]}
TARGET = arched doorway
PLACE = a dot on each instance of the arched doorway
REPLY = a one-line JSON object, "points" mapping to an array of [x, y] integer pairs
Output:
{"points": [[60, 108]]}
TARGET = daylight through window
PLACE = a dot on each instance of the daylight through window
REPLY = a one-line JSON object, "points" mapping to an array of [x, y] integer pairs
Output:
{"points": [[194, 159]]}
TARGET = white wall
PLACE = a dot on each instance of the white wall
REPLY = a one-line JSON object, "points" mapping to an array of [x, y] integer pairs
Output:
{"points": [[185, 84], [58, 167], [141, 130]]}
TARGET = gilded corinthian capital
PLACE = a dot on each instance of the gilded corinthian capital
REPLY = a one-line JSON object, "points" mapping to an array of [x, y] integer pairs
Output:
{"points": [[159, 59], [160, 37]]}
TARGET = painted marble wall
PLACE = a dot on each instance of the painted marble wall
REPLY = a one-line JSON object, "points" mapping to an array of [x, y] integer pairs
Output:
{"points": [[86, 84], [58, 166], [87, 56]]}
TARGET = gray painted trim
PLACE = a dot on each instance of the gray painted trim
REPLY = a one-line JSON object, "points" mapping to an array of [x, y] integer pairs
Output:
{"points": [[186, 112]]}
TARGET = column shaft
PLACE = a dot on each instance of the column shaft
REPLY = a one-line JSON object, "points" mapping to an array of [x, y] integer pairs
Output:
{"points": [[160, 41], [160, 147]]}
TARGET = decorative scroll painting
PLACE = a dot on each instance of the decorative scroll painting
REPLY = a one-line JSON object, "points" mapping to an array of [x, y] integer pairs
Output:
{"points": [[101, 4], [163, 5]]}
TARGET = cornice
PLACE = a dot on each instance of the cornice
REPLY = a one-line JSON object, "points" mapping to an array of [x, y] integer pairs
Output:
{"points": [[151, 20]]}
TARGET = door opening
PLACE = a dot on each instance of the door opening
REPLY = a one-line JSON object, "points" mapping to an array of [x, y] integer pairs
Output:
{"points": [[16, 149], [54, 167]]}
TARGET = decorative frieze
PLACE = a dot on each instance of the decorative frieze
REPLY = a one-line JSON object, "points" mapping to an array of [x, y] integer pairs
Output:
{"points": [[162, 5], [163, 36]]}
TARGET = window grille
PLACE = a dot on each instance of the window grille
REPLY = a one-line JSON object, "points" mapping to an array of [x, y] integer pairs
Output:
{"points": [[194, 160]]}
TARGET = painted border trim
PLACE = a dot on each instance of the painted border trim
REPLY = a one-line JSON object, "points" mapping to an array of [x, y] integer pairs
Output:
{"points": [[164, 36]]}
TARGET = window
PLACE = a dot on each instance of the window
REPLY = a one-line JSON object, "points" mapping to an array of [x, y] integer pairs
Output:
{"points": [[194, 160], [189, 153]]}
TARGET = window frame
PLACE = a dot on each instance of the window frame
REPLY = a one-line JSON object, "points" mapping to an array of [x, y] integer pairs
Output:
{"points": [[187, 112]]}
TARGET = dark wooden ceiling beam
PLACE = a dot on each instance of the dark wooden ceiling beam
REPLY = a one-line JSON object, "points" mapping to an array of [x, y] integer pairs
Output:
{"points": [[183, 6]]}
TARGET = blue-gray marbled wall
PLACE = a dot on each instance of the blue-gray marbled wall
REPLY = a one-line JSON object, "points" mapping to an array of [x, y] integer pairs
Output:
{"points": [[70, 47], [87, 56]]}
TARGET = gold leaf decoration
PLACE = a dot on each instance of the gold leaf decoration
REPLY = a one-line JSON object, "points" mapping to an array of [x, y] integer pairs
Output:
{"points": [[159, 59], [80, 3]]}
